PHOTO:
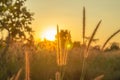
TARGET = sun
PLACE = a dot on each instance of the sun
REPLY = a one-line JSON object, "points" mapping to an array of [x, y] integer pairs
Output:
{"points": [[49, 34]]}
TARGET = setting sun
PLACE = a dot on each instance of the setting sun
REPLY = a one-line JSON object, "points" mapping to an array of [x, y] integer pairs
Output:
{"points": [[48, 34]]}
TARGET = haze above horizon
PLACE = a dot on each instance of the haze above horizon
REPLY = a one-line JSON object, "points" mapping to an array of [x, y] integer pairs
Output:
{"points": [[68, 15]]}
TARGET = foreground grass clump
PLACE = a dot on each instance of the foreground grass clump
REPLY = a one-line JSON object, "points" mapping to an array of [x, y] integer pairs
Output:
{"points": [[43, 64]]}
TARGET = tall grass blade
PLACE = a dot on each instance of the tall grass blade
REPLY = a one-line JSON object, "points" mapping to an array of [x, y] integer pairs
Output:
{"points": [[92, 36], [109, 39]]}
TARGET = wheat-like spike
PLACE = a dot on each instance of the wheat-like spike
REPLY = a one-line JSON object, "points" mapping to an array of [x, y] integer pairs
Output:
{"points": [[109, 39], [92, 36], [18, 74], [58, 46], [84, 20]]}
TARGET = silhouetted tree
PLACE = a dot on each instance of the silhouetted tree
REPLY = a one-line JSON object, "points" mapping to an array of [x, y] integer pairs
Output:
{"points": [[114, 46], [96, 47], [65, 38], [15, 19], [76, 44]]}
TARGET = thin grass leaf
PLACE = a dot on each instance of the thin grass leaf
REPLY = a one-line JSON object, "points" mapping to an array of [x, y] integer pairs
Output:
{"points": [[92, 36], [109, 39]]}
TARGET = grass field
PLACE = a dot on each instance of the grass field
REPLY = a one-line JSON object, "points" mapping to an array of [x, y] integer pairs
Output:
{"points": [[43, 63]]}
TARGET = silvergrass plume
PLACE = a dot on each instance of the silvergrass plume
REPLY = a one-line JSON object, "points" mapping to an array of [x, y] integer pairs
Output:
{"points": [[61, 53], [84, 18], [109, 39], [18, 74], [58, 46]]}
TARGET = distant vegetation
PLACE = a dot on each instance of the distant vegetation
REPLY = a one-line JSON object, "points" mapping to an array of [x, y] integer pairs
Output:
{"points": [[23, 58], [43, 64]]}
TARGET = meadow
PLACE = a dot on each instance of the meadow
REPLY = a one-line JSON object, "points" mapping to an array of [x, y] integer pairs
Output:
{"points": [[24, 58], [43, 63]]}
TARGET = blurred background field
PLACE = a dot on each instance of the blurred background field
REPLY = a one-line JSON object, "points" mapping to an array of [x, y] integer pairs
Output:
{"points": [[43, 64]]}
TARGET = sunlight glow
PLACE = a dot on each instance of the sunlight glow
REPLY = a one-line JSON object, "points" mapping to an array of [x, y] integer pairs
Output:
{"points": [[49, 34], [69, 46]]}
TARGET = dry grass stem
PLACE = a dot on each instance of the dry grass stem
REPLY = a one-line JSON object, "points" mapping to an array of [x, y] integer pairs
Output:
{"points": [[27, 76]]}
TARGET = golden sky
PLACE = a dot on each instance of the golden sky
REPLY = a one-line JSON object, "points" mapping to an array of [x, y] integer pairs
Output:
{"points": [[68, 15]]}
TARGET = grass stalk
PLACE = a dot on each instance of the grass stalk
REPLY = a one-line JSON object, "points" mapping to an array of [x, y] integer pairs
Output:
{"points": [[85, 51], [27, 73]]}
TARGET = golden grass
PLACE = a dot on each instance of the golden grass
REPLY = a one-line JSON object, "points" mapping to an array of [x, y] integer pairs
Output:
{"points": [[61, 57], [58, 47], [61, 54]]}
